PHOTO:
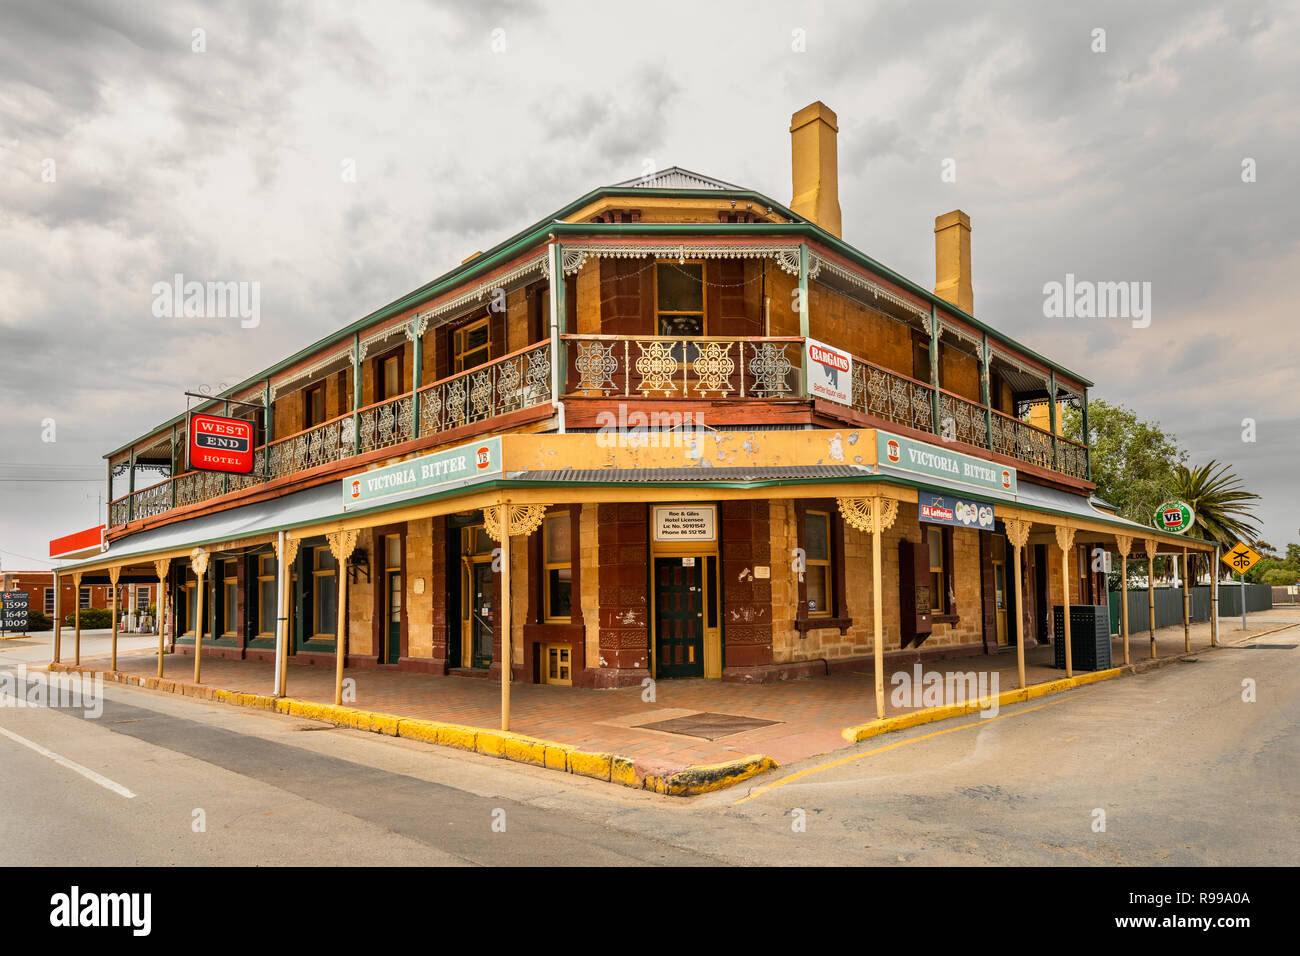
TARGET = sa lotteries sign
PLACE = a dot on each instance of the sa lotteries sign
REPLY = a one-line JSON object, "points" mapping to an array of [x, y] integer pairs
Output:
{"points": [[221, 444]]}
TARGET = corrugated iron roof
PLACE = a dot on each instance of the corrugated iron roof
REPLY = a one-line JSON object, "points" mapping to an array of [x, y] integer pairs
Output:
{"points": [[674, 177]]}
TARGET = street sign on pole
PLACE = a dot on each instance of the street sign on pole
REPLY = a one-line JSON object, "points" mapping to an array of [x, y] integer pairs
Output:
{"points": [[1241, 557]]}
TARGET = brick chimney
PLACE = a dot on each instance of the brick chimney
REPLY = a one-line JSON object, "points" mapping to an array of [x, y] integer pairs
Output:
{"points": [[952, 260], [814, 168]]}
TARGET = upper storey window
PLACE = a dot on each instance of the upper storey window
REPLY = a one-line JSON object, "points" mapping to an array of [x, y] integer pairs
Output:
{"points": [[313, 405], [471, 345], [680, 298]]}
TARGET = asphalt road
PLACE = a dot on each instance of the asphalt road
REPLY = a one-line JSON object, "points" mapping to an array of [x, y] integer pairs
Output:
{"points": [[1185, 771]]}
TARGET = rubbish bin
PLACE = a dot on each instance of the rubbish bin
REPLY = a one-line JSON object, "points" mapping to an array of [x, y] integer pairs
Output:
{"points": [[1089, 636]]}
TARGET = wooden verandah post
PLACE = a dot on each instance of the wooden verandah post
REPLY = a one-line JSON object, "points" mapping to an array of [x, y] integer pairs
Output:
{"points": [[161, 567], [1018, 535], [284, 561], [1152, 546], [341, 545], [1123, 544], [114, 575], [501, 522], [1064, 540], [199, 564]]}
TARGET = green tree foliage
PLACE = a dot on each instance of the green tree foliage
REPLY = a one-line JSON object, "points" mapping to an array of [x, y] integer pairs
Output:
{"points": [[1224, 509], [1134, 463], [1279, 577]]}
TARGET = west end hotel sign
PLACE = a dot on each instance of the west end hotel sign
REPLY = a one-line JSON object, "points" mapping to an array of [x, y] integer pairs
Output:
{"points": [[925, 459], [438, 471]]}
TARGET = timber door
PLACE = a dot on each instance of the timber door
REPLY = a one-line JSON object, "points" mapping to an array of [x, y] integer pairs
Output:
{"points": [[478, 610], [391, 634], [393, 617], [1000, 598], [477, 597], [679, 616]]}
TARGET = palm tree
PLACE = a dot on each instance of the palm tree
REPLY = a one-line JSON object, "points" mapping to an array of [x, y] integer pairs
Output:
{"points": [[1223, 508]]}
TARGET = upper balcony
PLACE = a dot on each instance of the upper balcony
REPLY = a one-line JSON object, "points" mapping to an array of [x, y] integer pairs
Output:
{"points": [[714, 328]]}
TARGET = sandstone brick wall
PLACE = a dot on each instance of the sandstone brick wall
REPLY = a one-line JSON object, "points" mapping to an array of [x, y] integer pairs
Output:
{"points": [[961, 374], [845, 323], [784, 587], [519, 599], [516, 319], [788, 645], [588, 289], [588, 548], [780, 289], [419, 607], [361, 603]]}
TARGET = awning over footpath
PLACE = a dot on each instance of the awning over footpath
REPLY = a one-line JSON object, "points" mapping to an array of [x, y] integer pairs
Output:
{"points": [[323, 504]]}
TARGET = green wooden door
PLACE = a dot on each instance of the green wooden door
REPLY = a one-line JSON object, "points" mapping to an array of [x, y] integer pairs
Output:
{"points": [[679, 617], [393, 647]]}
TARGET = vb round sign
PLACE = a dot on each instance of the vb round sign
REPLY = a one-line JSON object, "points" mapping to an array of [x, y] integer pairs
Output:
{"points": [[1174, 516]]}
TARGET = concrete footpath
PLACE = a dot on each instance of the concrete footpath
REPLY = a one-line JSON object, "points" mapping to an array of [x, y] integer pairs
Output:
{"points": [[679, 737]]}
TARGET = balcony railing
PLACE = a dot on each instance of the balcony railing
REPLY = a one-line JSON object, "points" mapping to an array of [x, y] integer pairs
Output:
{"points": [[701, 368], [696, 367], [321, 444], [891, 396], [511, 383]]}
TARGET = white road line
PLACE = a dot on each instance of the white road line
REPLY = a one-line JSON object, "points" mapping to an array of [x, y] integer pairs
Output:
{"points": [[70, 764]]}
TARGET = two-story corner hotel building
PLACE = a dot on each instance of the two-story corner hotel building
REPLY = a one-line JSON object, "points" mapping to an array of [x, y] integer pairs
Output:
{"points": [[727, 445]]}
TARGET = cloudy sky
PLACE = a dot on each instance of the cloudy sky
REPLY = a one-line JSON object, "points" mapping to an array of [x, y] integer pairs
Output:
{"points": [[127, 156]]}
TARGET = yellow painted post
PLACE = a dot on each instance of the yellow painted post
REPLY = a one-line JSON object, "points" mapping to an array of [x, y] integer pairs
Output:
{"points": [[1123, 544], [284, 564], [877, 606], [341, 640], [341, 546], [1018, 535], [1065, 538], [1214, 598], [198, 625], [113, 575], [1187, 598], [1152, 547], [76, 617], [198, 564], [505, 616], [161, 567]]}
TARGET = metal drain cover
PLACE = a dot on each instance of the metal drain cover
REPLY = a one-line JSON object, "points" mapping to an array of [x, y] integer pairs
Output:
{"points": [[708, 726]]}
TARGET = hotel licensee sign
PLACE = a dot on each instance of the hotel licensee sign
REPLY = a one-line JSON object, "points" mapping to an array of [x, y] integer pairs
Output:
{"points": [[437, 471], [685, 522], [935, 462]]}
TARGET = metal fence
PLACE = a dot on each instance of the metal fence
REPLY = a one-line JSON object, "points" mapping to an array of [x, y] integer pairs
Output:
{"points": [[1169, 605]]}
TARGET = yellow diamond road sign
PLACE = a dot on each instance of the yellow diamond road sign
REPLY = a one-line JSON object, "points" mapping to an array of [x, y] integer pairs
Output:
{"points": [[1241, 558]]}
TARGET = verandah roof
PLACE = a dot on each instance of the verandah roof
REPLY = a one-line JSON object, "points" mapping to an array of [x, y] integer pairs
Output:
{"points": [[321, 505]]}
